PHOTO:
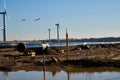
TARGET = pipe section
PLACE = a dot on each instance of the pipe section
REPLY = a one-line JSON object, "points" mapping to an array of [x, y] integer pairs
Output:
{"points": [[29, 46]]}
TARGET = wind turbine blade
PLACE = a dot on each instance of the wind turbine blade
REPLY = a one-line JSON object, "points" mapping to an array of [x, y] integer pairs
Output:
{"points": [[23, 19], [4, 5], [37, 19], [5, 10], [8, 17]]}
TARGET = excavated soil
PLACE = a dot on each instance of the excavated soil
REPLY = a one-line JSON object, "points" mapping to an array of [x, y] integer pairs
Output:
{"points": [[56, 58]]}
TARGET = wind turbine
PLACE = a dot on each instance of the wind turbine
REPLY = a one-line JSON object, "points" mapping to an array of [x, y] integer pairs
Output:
{"points": [[49, 30], [4, 26], [58, 28]]}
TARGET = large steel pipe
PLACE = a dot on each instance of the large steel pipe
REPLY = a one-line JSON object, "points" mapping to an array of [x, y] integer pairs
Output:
{"points": [[8, 44], [31, 46]]}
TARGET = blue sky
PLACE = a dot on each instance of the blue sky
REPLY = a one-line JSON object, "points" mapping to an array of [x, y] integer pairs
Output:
{"points": [[84, 18]]}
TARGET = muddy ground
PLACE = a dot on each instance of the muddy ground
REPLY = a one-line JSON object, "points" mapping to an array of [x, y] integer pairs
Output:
{"points": [[56, 58]]}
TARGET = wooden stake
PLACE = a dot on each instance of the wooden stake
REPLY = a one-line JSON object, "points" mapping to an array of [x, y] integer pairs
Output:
{"points": [[44, 66], [67, 44]]}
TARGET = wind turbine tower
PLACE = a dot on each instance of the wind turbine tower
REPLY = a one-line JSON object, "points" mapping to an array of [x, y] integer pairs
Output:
{"points": [[4, 26], [49, 34], [58, 27]]}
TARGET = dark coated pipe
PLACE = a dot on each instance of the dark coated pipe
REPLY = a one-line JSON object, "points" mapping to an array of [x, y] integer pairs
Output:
{"points": [[29, 46], [8, 45]]}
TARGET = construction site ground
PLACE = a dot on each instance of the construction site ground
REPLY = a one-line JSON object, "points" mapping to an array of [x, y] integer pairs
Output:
{"points": [[56, 58]]}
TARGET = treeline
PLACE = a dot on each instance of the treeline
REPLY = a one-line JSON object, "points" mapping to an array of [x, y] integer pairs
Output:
{"points": [[106, 39]]}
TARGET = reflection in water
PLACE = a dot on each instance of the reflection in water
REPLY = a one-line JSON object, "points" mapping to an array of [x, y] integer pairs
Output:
{"points": [[44, 76], [99, 76], [4, 76], [68, 75], [75, 74], [88, 76], [54, 72]]}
